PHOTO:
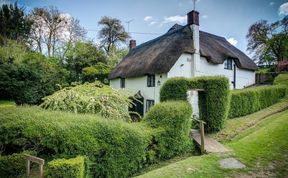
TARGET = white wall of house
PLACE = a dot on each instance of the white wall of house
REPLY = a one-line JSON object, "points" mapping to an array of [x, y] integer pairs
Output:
{"points": [[244, 78], [136, 84], [182, 67]]}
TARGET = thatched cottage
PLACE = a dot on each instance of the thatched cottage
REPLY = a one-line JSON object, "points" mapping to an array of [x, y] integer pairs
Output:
{"points": [[182, 51]]}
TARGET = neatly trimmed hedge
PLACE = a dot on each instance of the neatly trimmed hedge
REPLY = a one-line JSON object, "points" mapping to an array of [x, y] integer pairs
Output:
{"points": [[13, 165], [281, 79], [116, 148], [247, 101], [66, 168], [213, 102], [173, 120]]}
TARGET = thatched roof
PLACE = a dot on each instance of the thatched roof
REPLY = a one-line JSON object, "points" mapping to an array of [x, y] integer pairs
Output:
{"points": [[159, 55]]}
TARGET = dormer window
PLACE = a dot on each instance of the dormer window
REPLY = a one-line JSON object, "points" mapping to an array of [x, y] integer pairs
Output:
{"points": [[228, 64], [122, 83], [150, 80]]}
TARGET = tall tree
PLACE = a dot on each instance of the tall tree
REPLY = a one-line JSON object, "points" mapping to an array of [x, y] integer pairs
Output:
{"points": [[112, 33], [52, 30], [268, 41], [14, 24], [81, 55]]}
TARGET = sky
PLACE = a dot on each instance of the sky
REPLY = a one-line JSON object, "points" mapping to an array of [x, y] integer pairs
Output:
{"points": [[152, 18]]}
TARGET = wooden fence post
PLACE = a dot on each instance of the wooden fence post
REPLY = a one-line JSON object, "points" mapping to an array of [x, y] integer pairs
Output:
{"points": [[202, 136]]}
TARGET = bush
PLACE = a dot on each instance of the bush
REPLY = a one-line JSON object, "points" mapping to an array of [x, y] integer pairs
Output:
{"points": [[173, 121], [213, 102], [28, 79], [93, 98], [13, 165], [116, 148], [281, 79], [247, 101], [66, 168]]}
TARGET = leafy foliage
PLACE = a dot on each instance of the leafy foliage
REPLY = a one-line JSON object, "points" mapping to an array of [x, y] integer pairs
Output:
{"points": [[14, 24], [247, 101], [269, 42], [111, 33], [26, 77], [95, 98], [281, 79], [213, 102], [66, 168], [80, 56], [13, 165], [116, 148], [173, 120]]}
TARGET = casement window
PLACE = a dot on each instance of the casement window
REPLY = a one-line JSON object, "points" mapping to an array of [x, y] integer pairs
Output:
{"points": [[228, 64], [122, 83], [150, 80], [149, 104]]}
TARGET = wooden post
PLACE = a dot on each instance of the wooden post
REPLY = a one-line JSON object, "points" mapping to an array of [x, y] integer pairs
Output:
{"points": [[27, 167], [202, 136]]}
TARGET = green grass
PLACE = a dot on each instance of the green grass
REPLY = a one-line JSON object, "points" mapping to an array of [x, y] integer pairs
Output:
{"points": [[7, 104], [235, 126], [281, 79], [263, 148]]}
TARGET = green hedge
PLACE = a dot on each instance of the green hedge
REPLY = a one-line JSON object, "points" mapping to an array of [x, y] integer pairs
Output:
{"points": [[13, 165], [213, 102], [247, 101], [116, 148], [281, 79], [173, 120], [66, 168]]}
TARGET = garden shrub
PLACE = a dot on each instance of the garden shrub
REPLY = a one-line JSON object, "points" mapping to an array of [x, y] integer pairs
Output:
{"points": [[116, 148], [281, 79], [27, 78], [213, 102], [247, 101], [173, 121], [66, 168], [13, 165], [93, 98]]}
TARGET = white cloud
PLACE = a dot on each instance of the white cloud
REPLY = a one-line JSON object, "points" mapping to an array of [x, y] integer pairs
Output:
{"points": [[148, 18], [153, 23], [271, 3], [232, 41], [174, 19], [204, 16], [283, 9]]}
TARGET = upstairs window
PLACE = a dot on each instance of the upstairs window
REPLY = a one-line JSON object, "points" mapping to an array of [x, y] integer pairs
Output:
{"points": [[151, 81], [149, 104], [122, 83], [228, 64]]}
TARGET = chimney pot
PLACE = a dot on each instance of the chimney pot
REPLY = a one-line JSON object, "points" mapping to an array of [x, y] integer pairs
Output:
{"points": [[132, 44], [193, 18]]}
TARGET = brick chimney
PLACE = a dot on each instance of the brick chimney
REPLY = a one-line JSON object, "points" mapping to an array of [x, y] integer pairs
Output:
{"points": [[193, 22], [132, 44]]}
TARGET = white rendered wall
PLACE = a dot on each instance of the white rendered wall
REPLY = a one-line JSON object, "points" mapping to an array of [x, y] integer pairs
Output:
{"points": [[140, 84], [182, 67], [244, 78]]}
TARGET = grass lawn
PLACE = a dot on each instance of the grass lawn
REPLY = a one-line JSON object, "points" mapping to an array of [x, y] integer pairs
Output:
{"points": [[261, 144]]}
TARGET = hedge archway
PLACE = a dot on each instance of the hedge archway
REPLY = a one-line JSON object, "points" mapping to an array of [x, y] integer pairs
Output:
{"points": [[213, 102]]}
